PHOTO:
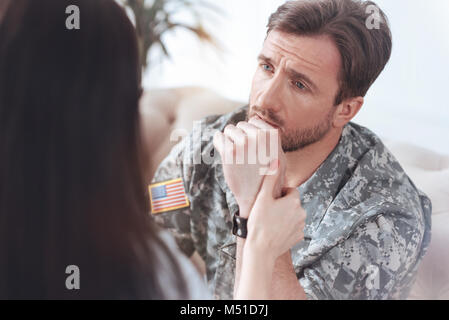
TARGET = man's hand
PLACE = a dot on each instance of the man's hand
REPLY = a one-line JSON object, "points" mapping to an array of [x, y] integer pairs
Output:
{"points": [[280, 182], [264, 268], [275, 225], [246, 154]]}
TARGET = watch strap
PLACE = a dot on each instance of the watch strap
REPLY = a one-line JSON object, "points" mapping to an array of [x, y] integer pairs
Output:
{"points": [[239, 226]]}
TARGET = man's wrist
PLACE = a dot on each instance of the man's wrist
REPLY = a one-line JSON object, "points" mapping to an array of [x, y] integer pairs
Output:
{"points": [[244, 211], [257, 254], [256, 250]]}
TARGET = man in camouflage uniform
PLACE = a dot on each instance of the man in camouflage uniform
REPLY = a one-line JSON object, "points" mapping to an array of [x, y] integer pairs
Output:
{"points": [[367, 225]]}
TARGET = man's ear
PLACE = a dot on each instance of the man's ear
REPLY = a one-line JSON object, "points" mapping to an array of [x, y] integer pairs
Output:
{"points": [[347, 110]]}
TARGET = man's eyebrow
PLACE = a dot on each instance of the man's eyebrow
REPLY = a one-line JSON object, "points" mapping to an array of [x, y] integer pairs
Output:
{"points": [[262, 57], [292, 73]]}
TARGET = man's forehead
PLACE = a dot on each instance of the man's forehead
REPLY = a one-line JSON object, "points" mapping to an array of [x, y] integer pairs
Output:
{"points": [[317, 53]]}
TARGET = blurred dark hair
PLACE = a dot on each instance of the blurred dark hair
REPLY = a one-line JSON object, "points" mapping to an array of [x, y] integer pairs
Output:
{"points": [[72, 188]]}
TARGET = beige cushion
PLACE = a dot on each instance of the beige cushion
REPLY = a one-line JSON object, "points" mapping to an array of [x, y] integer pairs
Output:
{"points": [[166, 110]]}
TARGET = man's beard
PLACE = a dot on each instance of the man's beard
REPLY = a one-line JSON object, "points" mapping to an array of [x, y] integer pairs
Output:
{"points": [[293, 140]]}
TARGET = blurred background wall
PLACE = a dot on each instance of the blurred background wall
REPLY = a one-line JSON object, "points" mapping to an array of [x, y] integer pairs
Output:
{"points": [[408, 102]]}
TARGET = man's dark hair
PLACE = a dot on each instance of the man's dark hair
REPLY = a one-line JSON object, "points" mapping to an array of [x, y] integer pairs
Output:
{"points": [[364, 51]]}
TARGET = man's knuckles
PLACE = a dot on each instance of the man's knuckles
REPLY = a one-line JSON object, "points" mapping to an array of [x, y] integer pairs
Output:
{"points": [[237, 135]]}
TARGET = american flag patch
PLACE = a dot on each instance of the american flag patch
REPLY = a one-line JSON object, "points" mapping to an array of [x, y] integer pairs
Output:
{"points": [[167, 196]]}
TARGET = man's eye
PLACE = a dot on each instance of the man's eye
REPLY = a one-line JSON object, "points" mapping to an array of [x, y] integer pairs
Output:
{"points": [[266, 67], [300, 85]]}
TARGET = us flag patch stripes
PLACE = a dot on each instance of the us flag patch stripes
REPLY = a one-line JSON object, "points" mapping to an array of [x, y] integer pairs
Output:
{"points": [[167, 196]]}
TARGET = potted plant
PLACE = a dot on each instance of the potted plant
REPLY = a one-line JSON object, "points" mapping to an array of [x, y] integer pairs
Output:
{"points": [[154, 18]]}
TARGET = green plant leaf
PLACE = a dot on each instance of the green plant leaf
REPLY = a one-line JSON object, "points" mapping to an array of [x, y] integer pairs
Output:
{"points": [[155, 20]]}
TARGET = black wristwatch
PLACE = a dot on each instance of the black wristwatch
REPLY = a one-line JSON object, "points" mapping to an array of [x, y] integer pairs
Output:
{"points": [[239, 228]]}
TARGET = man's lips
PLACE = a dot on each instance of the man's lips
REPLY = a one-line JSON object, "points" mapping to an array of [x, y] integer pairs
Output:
{"points": [[269, 122]]}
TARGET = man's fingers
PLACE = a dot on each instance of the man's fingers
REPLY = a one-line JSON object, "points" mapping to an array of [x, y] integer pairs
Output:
{"points": [[247, 127], [251, 144], [237, 135], [259, 123], [224, 145], [240, 140], [219, 141], [252, 134], [269, 181]]}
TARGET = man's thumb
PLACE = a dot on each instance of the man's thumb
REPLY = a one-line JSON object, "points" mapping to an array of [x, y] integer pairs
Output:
{"points": [[271, 178]]}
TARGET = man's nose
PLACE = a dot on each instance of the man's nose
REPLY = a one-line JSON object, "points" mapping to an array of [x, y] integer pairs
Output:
{"points": [[270, 96]]}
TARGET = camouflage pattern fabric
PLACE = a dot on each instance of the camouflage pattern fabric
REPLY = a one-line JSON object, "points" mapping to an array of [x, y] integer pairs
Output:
{"points": [[367, 225]]}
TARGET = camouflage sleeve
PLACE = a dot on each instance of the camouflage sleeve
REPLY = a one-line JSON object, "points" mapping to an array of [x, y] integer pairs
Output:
{"points": [[177, 221], [373, 263]]}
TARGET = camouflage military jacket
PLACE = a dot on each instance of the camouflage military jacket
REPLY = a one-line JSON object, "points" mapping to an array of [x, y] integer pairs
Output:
{"points": [[367, 225]]}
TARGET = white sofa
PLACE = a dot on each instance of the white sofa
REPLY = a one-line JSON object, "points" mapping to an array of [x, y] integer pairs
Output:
{"points": [[167, 109]]}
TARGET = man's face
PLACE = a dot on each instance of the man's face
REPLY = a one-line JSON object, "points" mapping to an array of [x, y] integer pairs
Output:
{"points": [[294, 87]]}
